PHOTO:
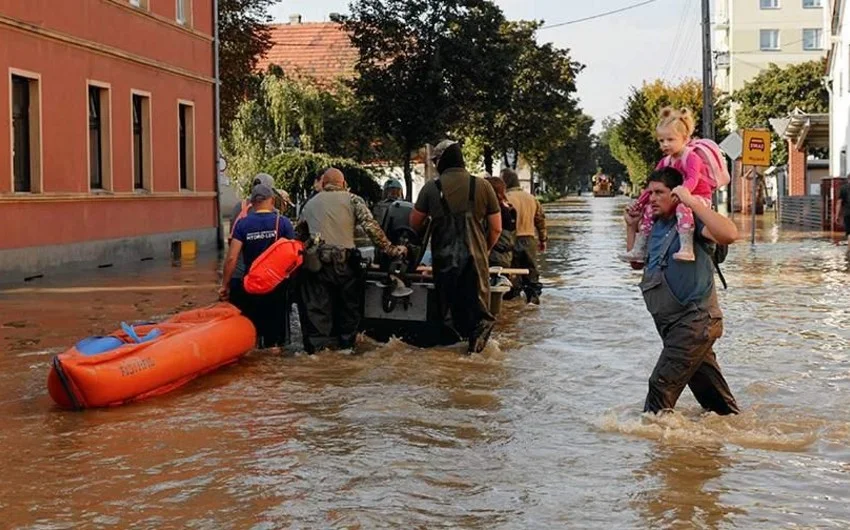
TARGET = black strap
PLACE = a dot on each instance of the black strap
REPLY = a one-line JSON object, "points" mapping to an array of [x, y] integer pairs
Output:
{"points": [[472, 194], [66, 385], [710, 253], [445, 204]]}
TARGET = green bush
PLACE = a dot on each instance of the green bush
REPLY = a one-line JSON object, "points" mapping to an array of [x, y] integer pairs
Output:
{"points": [[295, 172]]}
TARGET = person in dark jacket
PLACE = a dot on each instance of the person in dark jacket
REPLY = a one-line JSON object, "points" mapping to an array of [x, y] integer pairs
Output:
{"points": [[459, 205]]}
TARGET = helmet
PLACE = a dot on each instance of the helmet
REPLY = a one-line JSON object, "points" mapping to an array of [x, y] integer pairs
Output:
{"points": [[393, 184]]}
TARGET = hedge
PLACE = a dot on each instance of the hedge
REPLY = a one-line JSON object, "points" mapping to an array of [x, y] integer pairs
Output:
{"points": [[295, 171]]}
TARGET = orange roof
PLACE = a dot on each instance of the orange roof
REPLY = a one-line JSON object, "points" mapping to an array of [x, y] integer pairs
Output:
{"points": [[318, 50]]}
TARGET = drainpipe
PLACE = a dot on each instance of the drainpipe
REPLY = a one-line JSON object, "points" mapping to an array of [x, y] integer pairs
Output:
{"points": [[217, 127]]}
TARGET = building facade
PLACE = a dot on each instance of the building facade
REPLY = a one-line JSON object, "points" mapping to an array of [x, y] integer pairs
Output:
{"points": [[108, 131], [837, 26], [752, 34]]}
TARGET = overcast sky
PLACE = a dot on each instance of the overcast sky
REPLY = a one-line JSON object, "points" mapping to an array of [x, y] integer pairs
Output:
{"points": [[661, 39]]}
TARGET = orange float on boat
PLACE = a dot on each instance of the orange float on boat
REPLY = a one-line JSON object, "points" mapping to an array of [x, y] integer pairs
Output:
{"points": [[148, 360]]}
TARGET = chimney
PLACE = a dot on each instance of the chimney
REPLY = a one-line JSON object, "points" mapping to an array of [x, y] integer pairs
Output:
{"points": [[294, 19]]}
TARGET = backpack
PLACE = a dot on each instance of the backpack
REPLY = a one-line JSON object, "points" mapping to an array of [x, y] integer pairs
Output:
{"points": [[718, 256], [714, 159], [274, 265]]}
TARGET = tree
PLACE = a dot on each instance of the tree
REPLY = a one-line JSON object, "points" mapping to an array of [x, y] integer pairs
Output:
{"points": [[417, 67], [776, 92], [571, 166], [243, 39], [543, 108], [606, 162], [633, 141], [293, 113]]}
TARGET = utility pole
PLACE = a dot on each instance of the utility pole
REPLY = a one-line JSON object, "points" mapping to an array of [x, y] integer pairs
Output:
{"points": [[707, 74]]}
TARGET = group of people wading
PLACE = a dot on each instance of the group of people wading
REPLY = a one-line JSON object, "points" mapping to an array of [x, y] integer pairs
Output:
{"points": [[466, 216], [480, 222]]}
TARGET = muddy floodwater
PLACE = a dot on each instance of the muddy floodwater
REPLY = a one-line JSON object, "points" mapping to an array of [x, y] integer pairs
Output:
{"points": [[540, 431]]}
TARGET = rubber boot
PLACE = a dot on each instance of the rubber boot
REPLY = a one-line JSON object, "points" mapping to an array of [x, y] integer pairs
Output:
{"points": [[638, 252], [686, 248]]}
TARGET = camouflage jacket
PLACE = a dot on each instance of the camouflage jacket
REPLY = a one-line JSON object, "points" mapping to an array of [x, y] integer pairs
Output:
{"points": [[362, 218]]}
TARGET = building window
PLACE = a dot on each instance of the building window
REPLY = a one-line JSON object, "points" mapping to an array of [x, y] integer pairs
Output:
{"points": [[143, 4], [186, 147], [184, 10], [810, 4], [769, 4], [100, 137], [769, 39], [812, 39], [26, 134], [141, 142]]}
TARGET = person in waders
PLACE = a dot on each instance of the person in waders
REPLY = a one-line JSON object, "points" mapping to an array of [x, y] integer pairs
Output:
{"points": [[681, 297], [459, 204]]}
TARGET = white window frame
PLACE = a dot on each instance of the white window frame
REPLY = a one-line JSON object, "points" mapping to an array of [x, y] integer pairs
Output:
{"points": [[106, 129], [775, 4], [778, 40], [147, 148], [818, 45], [183, 12], [191, 182], [37, 154]]}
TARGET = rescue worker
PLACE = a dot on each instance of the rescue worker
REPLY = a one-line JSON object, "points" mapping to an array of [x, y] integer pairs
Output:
{"points": [[332, 296], [252, 235], [459, 205], [241, 210], [393, 191], [530, 237], [681, 298], [503, 253]]}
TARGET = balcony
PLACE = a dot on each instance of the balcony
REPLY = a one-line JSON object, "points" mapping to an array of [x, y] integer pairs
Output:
{"points": [[722, 59]]}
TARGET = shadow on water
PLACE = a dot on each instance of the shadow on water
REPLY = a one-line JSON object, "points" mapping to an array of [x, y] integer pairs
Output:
{"points": [[542, 430]]}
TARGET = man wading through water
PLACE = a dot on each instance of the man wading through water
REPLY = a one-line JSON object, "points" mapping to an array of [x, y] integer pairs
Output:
{"points": [[682, 299], [459, 204]]}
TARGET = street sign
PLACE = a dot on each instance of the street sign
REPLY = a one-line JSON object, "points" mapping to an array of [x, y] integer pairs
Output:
{"points": [[732, 145], [756, 148]]}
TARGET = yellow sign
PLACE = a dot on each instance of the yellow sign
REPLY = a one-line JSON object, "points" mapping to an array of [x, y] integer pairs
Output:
{"points": [[756, 150]]}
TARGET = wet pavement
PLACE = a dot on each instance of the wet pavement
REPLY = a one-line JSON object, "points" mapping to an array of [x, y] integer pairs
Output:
{"points": [[541, 431]]}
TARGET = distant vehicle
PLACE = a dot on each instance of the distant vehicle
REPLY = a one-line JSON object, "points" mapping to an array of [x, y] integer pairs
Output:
{"points": [[602, 186]]}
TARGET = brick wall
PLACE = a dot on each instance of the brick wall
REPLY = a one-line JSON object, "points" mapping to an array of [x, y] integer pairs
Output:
{"points": [[796, 171]]}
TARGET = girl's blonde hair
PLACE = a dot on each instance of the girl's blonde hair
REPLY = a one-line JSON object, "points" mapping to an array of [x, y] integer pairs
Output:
{"points": [[681, 120]]}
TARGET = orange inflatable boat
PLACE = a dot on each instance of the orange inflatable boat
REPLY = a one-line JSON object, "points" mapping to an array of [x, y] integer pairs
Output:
{"points": [[142, 361]]}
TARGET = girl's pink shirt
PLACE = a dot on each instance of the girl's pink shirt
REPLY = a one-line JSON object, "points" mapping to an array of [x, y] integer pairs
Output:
{"points": [[697, 179]]}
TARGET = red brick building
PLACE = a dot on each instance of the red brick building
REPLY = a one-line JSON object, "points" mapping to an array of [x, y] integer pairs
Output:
{"points": [[108, 130]]}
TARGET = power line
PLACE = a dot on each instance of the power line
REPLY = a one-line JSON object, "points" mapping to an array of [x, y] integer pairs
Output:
{"points": [[600, 15], [679, 34]]}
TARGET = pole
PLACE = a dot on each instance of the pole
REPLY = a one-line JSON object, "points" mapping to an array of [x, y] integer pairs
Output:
{"points": [[707, 75], [217, 127], [755, 196]]}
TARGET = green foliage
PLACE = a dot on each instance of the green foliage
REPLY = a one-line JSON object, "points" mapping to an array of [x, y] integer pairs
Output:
{"points": [[543, 110], [633, 139], [420, 65], [296, 170], [290, 113], [776, 92], [571, 166], [244, 38]]}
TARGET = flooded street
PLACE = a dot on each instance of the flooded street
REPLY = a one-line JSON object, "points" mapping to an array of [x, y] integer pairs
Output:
{"points": [[541, 431]]}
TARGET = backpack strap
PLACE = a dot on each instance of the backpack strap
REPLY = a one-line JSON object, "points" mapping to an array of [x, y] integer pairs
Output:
{"points": [[277, 227], [443, 202], [705, 246], [471, 194]]}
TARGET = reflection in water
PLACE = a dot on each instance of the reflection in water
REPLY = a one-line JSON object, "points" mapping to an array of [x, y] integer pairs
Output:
{"points": [[541, 431], [680, 487]]}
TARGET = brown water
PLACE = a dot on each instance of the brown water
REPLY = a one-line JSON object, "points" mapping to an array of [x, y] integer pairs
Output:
{"points": [[542, 431]]}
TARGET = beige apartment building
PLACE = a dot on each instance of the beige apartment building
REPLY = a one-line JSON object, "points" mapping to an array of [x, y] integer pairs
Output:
{"points": [[751, 34]]}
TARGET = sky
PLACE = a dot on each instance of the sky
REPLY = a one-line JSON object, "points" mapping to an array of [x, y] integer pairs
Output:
{"points": [[659, 40]]}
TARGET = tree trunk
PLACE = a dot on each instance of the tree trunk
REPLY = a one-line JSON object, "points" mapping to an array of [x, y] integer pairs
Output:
{"points": [[408, 175], [488, 159]]}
